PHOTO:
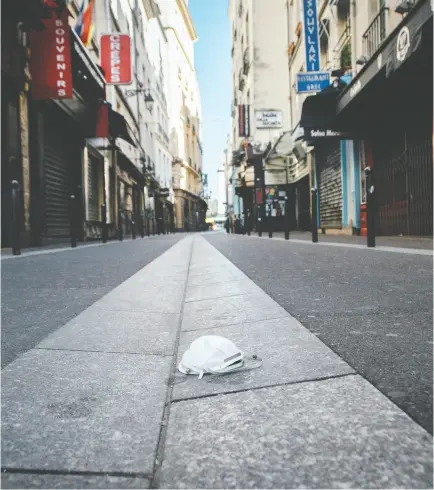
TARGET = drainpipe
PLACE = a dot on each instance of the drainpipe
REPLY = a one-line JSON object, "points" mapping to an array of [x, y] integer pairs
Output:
{"points": [[112, 100], [353, 18], [289, 67]]}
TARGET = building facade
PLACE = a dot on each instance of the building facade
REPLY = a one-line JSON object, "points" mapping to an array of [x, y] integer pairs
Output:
{"points": [[65, 170], [185, 117], [377, 56], [260, 102]]}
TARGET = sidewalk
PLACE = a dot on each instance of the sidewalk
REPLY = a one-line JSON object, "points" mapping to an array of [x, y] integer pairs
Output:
{"points": [[100, 404], [381, 241], [6, 253]]}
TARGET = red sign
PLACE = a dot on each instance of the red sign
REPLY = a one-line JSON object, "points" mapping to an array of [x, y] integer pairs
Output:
{"points": [[50, 60], [116, 58], [243, 121], [102, 121]]}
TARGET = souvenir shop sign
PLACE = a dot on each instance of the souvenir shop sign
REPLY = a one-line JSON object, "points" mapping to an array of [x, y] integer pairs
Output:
{"points": [[50, 62]]}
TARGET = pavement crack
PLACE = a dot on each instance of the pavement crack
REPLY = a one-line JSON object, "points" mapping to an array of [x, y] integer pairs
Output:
{"points": [[218, 297], [257, 388], [37, 471], [237, 323], [159, 354]]}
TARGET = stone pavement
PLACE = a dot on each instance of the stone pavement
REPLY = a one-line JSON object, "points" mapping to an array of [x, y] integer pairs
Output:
{"points": [[99, 403]]}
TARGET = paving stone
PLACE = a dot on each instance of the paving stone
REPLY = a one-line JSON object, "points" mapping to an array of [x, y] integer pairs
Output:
{"points": [[290, 353], [339, 433], [26, 480], [223, 289], [227, 311], [117, 331], [152, 298], [82, 411]]}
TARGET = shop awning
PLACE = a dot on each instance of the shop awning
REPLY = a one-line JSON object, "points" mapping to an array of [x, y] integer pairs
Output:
{"points": [[282, 147], [118, 127], [318, 116], [401, 44], [319, 111], [128, 166]]}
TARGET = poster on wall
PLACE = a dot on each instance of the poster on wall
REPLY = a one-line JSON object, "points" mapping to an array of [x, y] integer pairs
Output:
{"points": [[268, 119], [274, 202], [116, 58], [50, 63]]}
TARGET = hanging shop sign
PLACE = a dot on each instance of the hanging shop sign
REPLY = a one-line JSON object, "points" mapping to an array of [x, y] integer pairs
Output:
{"points": [[50, 62], [116, 58], [311, 35], [308, 82], [268, 119], [244, 120]]}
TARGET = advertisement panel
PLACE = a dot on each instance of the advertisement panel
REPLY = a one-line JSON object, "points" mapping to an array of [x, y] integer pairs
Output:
{"points": [[50, 61], [243, 121], [311, 35], [116, 58], [268, 119]]}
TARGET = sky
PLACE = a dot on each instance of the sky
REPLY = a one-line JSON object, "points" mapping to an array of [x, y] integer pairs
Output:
{"points": [[213, 66]]}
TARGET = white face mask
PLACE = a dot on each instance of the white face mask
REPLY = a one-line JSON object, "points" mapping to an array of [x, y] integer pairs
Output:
{"points": [[214, 355]]}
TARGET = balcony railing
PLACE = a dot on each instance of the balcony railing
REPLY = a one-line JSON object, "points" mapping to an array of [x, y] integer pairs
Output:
{"points": [[376, 33], [246, 62], [241, 81], [343, 42], [163, 134]]}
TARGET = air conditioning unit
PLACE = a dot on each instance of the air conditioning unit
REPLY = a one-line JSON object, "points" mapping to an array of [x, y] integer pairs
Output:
{"points": [[299, 151]]}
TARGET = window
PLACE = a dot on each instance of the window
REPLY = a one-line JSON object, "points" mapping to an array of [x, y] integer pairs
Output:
{"points": [[247, 29]]}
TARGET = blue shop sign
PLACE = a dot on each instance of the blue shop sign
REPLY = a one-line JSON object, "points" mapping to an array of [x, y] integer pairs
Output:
{"points": [[314, 81], [311, 35]]}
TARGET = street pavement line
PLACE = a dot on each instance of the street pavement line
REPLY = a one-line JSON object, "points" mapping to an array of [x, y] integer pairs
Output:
{"points": [[379, 248]]}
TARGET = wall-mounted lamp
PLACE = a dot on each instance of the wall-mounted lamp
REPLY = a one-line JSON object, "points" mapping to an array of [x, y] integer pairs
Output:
{"points": [[404, 7], [149, 100], [362, 60]]}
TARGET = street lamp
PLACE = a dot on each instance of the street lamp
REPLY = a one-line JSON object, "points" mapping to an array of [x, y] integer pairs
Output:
{"points": [[149, 100]]}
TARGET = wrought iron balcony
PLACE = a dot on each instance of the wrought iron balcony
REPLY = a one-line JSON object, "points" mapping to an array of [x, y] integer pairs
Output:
{"points": [[376, 33], [246, 62], [343, 46], [241, 81]]}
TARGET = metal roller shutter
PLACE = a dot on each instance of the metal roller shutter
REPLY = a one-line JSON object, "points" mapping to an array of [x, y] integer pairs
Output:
{"points": [[60, 156], [92, 188], [330, 187]]}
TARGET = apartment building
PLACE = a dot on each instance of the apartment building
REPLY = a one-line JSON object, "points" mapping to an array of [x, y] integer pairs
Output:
{"points": [[380, 56], [54, 143], [260, 80], [185, 116]]}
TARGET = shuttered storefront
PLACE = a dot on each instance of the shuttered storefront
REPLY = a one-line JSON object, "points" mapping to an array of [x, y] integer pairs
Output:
{"points": [[61, 163], [330, 184], [93, 172]]}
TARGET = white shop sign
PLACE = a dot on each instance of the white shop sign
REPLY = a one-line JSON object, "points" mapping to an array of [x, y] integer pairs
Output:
{"points": [[268, 119]]}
